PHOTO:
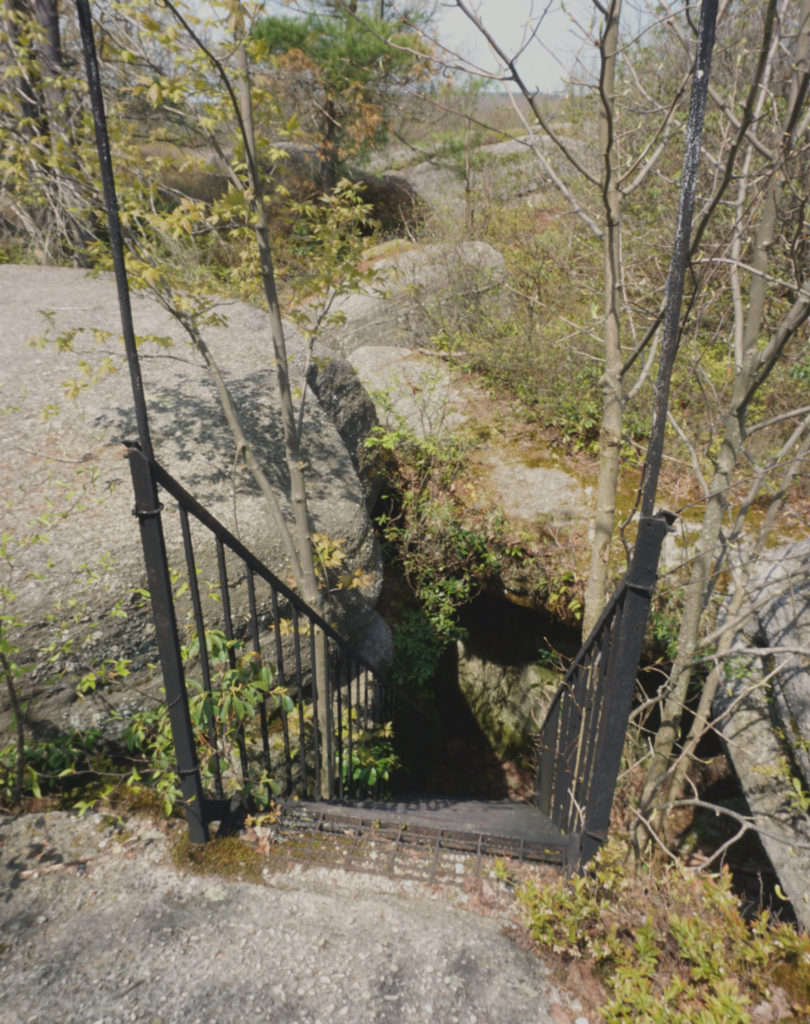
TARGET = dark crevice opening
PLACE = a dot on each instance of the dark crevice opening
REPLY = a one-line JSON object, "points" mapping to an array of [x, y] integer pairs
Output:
{"points": [[506, 634]]}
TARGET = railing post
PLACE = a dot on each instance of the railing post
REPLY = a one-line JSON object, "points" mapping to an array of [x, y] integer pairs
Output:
{"points": [[147, 510], [640, 583]]}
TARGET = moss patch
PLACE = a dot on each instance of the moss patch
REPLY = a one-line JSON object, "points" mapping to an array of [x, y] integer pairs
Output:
{"points": [[229, 858]]}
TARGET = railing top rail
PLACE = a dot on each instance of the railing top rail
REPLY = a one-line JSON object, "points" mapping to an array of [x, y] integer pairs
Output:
{"points": [[581, 739], [181, 495], [584, 652], [639, 576]]}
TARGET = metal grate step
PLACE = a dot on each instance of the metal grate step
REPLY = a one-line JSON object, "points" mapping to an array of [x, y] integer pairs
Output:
{"points": [[429, 839]]}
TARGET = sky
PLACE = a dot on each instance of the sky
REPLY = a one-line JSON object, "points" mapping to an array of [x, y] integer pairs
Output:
{"points": [[510, 22], [547, 57]]}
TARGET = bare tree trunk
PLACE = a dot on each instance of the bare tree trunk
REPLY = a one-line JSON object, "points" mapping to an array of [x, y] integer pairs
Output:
{"points": [[701, 722], [294, 460], [47, 15], [753, 367], [301, 552], [20, 20], [610, 432], [295, 463], [329, 153]]}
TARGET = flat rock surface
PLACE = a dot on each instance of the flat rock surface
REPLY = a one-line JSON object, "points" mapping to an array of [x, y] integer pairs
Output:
{"points": [[783, 596], [412, 286], [98, 926], [537, 492], [428, 396], [65, 409], [48, 437]]}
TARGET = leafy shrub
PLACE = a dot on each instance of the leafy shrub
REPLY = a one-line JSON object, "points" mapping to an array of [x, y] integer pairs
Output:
{"points": [[50, 765], [670, 945], [373, 759], [443, 558], [417, 650], [221, 718]]}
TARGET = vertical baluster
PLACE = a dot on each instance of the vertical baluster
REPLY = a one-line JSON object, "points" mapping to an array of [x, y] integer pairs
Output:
{"points": [[148, 511], [299, 686], [639, 584], [566, 746], [598, 699], [329, 740], [592, 669], [282, 681], [547, 756], [205, 665], [316, 731], [347, 667], [257, 650], [225, 598], [342, 787]]}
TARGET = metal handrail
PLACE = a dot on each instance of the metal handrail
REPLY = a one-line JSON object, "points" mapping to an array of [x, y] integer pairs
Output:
{"points": [[358, 697], [582, 737]]}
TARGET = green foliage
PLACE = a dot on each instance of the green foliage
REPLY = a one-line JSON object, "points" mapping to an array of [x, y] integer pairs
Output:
{"points": [[338, 75], [537, 345], [800, 371], [180, 166], [36, 768], [51, 766], [417, 650], [444, 560], [80, 764], [670, 946], [549, 658], [373, 759], [346, 54], [327, 242], [665, 618], [222, 719], [799, 796]]}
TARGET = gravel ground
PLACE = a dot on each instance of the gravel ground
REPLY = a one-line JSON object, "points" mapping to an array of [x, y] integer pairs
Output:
{"points": [[98, 927]]}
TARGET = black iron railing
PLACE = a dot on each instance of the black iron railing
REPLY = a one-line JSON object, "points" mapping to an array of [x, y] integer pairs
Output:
{"points": [[581, 741], [264, 696], [317, 748]]}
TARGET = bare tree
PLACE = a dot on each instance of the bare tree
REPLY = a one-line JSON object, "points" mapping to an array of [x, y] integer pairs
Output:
{"points": [[226, 67], [765, 323], [629, 151], [747, 293]]}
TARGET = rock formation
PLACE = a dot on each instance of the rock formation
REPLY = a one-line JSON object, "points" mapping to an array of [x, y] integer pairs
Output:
{"points": [[764, 714], [413, 285], [74, 547]]}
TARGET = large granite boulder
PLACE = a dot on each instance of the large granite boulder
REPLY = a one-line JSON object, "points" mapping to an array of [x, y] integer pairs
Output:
{"points": [[763, 714], [526, 494], [343, 397], [468, 185], [75, 561]]}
